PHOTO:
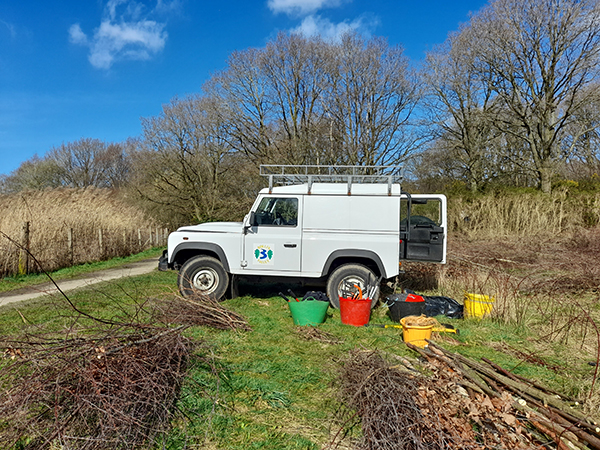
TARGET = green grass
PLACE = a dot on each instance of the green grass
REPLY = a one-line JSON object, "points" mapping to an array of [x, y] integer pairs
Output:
{"points": [[274, 389], [21, 281]]}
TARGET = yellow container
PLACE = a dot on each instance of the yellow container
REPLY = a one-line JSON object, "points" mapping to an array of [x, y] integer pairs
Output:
{"points": [[478, 306], [415, 335]]}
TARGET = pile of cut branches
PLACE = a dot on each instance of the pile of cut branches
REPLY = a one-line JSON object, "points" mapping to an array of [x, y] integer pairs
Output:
{"points": [[460, 404], [113, 384], [91, 389], [196, 310]]}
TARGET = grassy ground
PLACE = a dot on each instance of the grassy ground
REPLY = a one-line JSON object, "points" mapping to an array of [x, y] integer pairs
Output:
{"points": [[275, 387]]}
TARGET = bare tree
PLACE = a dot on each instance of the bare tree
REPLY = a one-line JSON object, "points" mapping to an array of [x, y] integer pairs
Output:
{"points": [[244, 103], [183, 160], [296, 70], [303, 100], [116, 163], [538, 56], [460, 108], [34, 174], [79, 162], [83, 163], [90, 162], [371, 99], [582, 144]]}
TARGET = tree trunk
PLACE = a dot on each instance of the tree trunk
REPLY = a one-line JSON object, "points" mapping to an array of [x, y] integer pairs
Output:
{"points": [[473, 185], [545, 177]]}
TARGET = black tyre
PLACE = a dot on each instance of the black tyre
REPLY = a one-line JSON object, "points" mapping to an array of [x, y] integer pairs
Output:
{"points": [[203, 275], [345, 277]]}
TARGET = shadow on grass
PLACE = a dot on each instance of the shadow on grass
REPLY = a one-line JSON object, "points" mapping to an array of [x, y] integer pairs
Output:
{"points": [[261, 288]]}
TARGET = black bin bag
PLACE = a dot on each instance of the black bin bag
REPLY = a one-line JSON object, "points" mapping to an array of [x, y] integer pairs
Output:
{"points": [[443, 306]]}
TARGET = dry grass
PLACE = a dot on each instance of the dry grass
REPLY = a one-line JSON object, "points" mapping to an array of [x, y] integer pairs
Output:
{"points": [[53, 213], [523, 214], [552, 282]]}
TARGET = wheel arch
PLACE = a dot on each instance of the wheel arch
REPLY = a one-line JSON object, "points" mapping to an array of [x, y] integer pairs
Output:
{"points": [[367, 258], [186, 250]]}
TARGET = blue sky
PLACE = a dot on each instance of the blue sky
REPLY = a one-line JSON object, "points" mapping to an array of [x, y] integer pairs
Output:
{"points": [[71, 69]]}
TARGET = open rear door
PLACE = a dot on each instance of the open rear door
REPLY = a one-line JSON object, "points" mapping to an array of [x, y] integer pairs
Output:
{"points": [[423, 228]]}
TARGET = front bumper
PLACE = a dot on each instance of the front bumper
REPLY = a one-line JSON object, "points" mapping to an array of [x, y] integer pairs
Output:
{"points": [[163, 262]]}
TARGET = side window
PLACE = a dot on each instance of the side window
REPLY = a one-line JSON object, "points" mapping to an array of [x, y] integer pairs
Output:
{"points": [[423, 212], [277, 212]]}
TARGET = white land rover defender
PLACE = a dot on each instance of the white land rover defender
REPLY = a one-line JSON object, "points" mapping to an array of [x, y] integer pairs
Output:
{"points": [[334, 225]]}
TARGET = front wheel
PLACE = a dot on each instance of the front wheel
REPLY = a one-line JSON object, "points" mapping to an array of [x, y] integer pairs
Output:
{"points": [[203, 275], [345, 278]]}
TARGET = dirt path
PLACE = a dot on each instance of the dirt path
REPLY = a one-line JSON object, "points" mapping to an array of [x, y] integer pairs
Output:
{"points": [[128, 270]]}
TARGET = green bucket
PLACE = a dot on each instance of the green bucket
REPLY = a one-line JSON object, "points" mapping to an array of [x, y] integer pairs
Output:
{"points": [[308, 312]]}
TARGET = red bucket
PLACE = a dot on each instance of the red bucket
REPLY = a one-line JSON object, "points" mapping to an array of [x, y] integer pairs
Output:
{"points": [[355, 311]]}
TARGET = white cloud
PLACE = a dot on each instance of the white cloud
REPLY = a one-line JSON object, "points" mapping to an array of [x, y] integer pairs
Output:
{"points": [[76, 35], [313, 26], [125, 33], [300, 7]]}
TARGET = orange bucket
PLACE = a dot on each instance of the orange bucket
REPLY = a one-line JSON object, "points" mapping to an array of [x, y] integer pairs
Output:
{"points": [[415, 335]]}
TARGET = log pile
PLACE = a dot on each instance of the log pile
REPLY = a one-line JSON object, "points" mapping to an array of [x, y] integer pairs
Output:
{"points": [[449, 401]]}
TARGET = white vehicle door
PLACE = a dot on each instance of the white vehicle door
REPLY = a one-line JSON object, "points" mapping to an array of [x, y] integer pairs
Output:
{"points": [[273, 242], [423, 228]]}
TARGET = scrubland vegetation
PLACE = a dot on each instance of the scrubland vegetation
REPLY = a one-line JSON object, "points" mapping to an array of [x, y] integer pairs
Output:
{"points": [[503, 118], [270, 384]]}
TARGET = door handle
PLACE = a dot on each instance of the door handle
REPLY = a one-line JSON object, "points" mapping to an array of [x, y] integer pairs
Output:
{"points": [[289, 245]]}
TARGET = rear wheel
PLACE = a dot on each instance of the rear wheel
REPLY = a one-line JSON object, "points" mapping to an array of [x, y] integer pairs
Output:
{"points": [[345, 278], [203, 275]]}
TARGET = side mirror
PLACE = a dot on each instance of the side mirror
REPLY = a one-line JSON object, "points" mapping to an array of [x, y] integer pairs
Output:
{"points": [[251, 222]]}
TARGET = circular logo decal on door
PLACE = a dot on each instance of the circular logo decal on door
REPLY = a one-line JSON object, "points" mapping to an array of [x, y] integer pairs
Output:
{"points": [[263, 254]]}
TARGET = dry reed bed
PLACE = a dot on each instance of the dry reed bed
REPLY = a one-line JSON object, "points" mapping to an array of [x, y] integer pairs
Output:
{"points": [[52, 213], [523, 214]]}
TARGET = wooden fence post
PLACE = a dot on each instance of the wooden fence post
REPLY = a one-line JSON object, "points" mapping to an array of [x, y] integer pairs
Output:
{"points": [[24, 252], [139, 239], [100, 243], [70, 245]]}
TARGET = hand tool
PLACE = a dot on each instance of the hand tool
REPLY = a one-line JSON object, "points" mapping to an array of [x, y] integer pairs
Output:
{"points": [[284, 297], [444, 328], [360, 292], [293, 295]]}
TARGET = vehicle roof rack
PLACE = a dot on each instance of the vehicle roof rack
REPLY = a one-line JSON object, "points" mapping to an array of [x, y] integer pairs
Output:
{"points": [[285, 174]]}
